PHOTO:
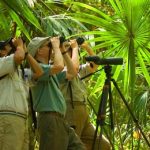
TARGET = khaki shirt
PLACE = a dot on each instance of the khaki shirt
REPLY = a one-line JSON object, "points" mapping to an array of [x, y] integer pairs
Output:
{"points": [[79, 92], [13, 89]]}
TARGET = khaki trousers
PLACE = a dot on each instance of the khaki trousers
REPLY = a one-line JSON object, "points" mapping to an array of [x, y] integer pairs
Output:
{"points": [[56, 134], [13, 132], [78, 117]]}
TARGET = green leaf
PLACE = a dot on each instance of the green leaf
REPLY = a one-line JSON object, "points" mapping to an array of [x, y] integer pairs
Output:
{"points": [[140, 56], [19, 23]]}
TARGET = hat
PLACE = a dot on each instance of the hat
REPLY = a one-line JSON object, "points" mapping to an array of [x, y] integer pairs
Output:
{"points": [[4, 43], [36, 43]]}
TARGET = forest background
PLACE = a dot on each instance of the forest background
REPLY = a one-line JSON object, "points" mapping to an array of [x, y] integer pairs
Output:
{"points": [[114, 28]]}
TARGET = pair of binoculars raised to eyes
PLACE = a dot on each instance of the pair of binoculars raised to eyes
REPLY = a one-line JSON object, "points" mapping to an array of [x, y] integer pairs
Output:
{"points": [[62, 39], [4, 43], [8, 41], [79, 40]]}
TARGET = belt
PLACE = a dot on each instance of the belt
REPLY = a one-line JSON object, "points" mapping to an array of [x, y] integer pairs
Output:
{"points": [[53, 113], [10, 112]]}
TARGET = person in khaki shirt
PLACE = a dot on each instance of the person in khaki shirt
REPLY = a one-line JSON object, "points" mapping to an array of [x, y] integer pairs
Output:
{"points": [[75, 95], [14, 93]]}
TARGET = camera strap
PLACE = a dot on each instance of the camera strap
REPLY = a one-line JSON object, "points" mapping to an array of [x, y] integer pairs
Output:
{"points": [[71, 96], [3, 76], [22, 69], [33, 114]]}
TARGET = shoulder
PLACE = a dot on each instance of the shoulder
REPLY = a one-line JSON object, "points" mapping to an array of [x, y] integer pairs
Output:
{"points": [[7, 65], [7, 59]]}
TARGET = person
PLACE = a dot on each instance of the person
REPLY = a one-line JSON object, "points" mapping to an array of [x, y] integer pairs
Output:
{"points": [[75, 95], [54, 132], [14, 92]]}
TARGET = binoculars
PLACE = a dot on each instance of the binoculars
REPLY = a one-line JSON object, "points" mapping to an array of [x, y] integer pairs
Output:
{"points": [[62, 39], [79, 40]]}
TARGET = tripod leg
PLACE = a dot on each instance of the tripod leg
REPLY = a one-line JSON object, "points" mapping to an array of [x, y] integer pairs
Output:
{"points": [[95, 136], [111, 108], [111, 114], [134, 119], [102, 110]]}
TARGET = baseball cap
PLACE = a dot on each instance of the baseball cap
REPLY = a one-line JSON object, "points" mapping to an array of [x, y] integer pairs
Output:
{"points": [[36, 43], [4, 43]]}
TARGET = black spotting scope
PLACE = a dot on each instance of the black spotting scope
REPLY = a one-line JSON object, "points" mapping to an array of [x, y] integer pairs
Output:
{"points": [[104, 61]]}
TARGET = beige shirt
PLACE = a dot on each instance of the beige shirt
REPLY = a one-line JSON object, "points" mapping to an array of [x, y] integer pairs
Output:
{"points": [[79, 92], [13, 89]]}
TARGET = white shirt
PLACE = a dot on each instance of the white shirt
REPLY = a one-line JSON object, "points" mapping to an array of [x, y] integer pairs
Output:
{"points": [[13, 89]]}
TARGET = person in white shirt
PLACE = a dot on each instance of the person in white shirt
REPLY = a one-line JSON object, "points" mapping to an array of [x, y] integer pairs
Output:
{"points": [[14, 93]]}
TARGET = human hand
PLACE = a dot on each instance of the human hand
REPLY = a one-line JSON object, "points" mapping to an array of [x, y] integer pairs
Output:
{"points": [[17, 42], [55, 42], [65, 46], [73, 44]]}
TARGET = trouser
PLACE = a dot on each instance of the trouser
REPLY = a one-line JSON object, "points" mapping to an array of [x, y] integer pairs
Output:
{"points": [[13, 132], [78, 117], [55, 134]]}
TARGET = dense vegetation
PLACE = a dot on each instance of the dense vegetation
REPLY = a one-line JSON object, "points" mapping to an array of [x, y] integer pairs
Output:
{"points": [[114, 29]]}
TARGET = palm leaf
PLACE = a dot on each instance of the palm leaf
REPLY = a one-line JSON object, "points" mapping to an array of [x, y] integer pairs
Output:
{"points": [[126, 33], [15, 18], [21, 12]]}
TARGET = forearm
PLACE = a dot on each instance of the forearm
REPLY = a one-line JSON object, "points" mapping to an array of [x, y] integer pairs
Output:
{"points": [[38, 71], [89, 51], [75, 58], [58, 59], [92, 65], [71, 70], [19, 55], [58, 63], [75, 54]]}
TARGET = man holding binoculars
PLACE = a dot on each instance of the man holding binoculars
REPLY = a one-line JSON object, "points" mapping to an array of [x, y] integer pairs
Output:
{"points": [[14, 93], [75, 94], [54, 132]]}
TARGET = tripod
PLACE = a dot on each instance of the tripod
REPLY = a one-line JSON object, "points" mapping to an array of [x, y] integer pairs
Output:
{"points": [[100, 121]]}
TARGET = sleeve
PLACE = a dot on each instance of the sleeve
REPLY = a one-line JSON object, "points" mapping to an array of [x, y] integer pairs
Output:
{"points": [[61, 76], [46, 70], [7, 65], [83, 71]]}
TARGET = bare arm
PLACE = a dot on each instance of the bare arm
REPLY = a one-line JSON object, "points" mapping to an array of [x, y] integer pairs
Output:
{"points": [[37, 70], [91, 66], [19, 54], [58, 64], [72, 68], [75, 54]]}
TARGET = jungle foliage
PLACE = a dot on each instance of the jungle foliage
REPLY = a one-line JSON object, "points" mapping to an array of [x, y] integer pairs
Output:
{"points": [[114, 28]]}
